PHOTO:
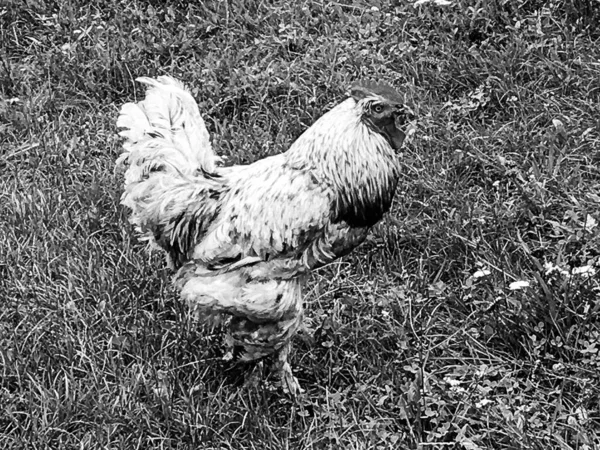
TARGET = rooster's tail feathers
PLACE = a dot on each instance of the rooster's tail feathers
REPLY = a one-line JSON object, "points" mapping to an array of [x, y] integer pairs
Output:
{"points": [[167, 159], [168, 117]]}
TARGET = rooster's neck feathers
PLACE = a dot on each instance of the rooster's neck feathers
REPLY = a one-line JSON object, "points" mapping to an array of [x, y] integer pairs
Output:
{"points": [[358, 163]]}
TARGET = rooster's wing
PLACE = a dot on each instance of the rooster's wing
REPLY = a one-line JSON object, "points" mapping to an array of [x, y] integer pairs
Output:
{"points": [[276, 217]]}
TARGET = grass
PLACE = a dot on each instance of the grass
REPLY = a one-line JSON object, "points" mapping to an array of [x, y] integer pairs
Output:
{"points": [[422, 340]]}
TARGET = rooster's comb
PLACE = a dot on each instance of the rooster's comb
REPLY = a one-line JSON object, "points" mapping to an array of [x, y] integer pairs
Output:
{"points": [[364, 88]]}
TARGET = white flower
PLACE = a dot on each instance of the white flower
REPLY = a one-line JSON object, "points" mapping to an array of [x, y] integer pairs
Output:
{"points": [[481, 273], [582, 414], [483, 402], [590, 223], [482, 371], [586, 271], [552, 268], [452, 382], [516, 285]]}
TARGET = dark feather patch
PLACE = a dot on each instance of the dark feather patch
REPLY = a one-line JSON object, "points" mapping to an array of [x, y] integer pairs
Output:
{"points": [[183, 231], [222, 262], [362, 211], [367, 214], [209, 175]]}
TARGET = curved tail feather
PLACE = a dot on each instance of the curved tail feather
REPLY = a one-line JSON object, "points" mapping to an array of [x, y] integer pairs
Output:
{"points": [[168, 112], [169, 161]]}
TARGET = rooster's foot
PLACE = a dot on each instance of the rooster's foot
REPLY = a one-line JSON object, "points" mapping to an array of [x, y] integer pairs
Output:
{"points": [[289, 382]]}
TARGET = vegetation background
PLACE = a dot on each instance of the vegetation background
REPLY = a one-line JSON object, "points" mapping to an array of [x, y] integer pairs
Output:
{"points": [[469, 320]]}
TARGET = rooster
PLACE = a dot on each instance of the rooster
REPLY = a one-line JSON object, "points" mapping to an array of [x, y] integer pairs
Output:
{"points": [[242, 239]]}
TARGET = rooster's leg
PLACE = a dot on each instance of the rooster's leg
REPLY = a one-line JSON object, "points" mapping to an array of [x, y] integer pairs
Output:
{"points": [[252, 341], [289, 382]]}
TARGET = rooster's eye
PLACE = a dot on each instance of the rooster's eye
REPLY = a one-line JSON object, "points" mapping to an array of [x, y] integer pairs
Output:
{"points": [[378, 109]]}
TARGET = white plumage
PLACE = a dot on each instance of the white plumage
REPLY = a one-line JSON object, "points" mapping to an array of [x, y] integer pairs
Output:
{"points": [[242, 238]]}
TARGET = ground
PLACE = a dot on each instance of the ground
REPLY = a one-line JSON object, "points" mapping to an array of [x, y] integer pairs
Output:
{"points": [[469, 319]]}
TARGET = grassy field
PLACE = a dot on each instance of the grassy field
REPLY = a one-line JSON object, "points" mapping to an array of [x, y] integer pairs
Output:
{"points": [[469, 320]]}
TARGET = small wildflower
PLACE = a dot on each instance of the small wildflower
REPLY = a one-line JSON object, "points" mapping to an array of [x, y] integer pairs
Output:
{"points": [[516, 285], [452, 382], [482, 371], [481, 273], [582, 414], [483, 402], [585, 271], [552, 268], [590, 223]]}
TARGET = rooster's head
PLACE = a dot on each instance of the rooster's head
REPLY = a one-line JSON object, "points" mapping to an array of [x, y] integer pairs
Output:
{"points": [[382, 109]]}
